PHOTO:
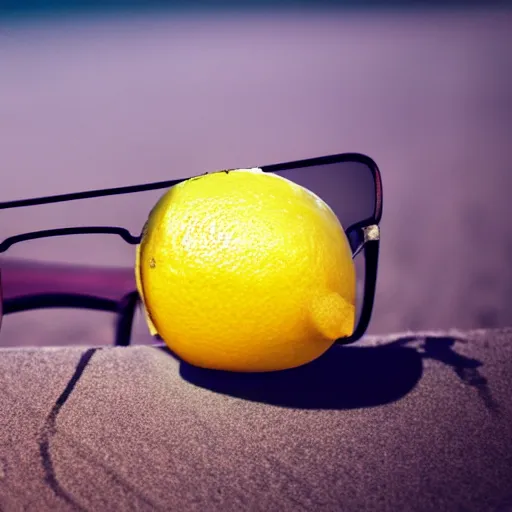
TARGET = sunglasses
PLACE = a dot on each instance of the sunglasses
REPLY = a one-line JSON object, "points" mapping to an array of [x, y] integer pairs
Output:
{"points": [[83, 273]]}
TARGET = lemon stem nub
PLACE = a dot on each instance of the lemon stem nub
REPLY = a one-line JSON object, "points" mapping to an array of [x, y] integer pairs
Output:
{"points": [[332, 315]]}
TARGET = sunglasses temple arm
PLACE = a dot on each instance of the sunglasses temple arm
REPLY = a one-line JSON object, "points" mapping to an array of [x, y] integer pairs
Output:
{"points": [[33, 285], [371, 258], [125, 315]]}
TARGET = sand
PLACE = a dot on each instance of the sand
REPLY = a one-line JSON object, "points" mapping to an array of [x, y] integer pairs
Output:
{"points": [[418, 423]]}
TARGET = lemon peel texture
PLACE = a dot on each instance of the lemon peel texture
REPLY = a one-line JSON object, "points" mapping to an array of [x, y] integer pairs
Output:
{"points": [[245, 271]]}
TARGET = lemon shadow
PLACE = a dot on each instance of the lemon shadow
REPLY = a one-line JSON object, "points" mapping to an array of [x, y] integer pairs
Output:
{"points": [[348, 377], [342, 378]]}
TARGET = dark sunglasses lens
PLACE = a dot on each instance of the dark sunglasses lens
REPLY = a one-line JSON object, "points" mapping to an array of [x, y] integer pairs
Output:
{"points": [[347, 187]]}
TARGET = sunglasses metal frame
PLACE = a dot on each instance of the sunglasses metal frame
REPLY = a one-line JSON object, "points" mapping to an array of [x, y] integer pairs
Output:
{"points": [[363, 236]]}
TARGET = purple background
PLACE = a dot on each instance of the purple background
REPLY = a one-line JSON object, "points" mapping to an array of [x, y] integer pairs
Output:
{"points": [[118, 101]]}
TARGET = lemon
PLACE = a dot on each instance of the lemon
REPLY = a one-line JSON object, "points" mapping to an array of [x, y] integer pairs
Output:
{"points": [[245, 271]]}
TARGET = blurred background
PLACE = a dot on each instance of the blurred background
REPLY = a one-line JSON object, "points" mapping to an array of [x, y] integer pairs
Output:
{"points": [[112, 93]]}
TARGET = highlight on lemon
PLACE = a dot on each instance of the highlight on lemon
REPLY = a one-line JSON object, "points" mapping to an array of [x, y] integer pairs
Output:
{"points": [[245, 271]]}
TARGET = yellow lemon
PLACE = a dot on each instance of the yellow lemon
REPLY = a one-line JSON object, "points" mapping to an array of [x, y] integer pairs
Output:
{"points": [[245, 271]]}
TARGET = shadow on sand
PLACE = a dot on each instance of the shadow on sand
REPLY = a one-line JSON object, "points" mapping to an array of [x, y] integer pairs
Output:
{"points": [[346, 377]]}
